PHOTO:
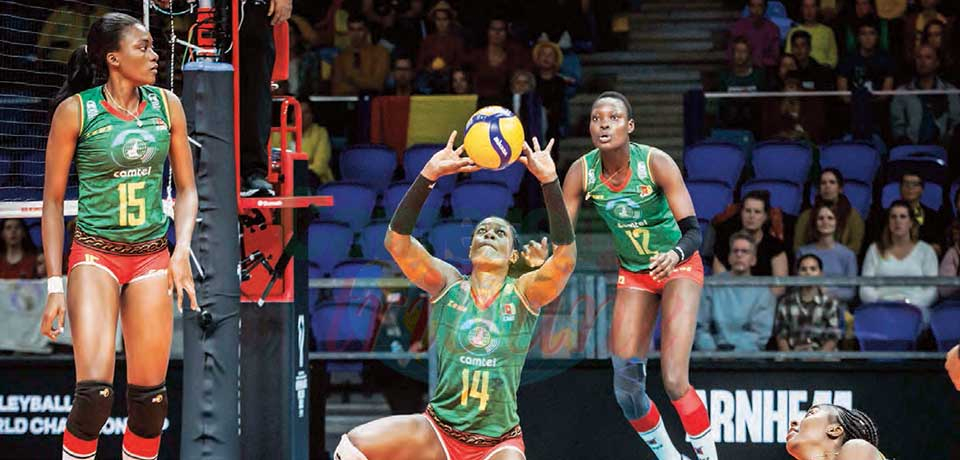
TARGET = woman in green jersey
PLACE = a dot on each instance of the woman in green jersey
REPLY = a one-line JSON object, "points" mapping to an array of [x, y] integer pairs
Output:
{"points": [[483, 323], [828, 432], [118, 130], [640, 194]]}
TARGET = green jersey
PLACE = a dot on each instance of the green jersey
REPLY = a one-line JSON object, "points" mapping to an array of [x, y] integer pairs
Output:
{"points": [[119, 161], [480, 355], [637, 213]]}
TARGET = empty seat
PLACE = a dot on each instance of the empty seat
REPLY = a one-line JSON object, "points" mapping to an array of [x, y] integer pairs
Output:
{"points": [[369, 164], [371, 241], [709, 197], [932, 195], [358, 268], [919, 152], [782, 160], [855, 160], [451, 242], [511, 176], [418, 155], [352, 203], [945, 323], [429, 213], [328, 243], [343, 326], [783, 194], [714, 161], [740, 137], [476, 200], [887, 326]]}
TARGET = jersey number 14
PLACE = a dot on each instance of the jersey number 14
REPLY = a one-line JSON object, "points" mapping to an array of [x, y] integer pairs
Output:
{"points": [[478, 389], [129, 201]]}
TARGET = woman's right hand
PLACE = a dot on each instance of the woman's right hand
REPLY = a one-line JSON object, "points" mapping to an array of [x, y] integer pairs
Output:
{"points": [[448, 161], [54, 311]]}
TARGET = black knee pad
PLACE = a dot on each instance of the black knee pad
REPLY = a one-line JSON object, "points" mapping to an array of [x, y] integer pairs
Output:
{"points": [[92, 402], [630, 386], [146, 409]]}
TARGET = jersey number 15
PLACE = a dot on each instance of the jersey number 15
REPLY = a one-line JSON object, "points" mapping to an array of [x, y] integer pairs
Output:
{"points": [[130, 200]]}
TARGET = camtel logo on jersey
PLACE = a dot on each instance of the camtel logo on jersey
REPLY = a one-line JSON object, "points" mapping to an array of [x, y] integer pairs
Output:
{"points": [[624, 208], [479, 337], [131, 150]]}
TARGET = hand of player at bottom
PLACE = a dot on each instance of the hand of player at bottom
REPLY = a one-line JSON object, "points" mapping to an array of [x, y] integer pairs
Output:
{"points": [[953, 366], [535, 253], [662, 264], [448, 161], [53, 315], [279, 11], [180, 279], [539, 162]]}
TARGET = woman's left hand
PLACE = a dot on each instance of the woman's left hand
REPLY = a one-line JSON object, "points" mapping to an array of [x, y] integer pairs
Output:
{"points": [[539, 162], [180, 279], [534, 253], [662, 264]]}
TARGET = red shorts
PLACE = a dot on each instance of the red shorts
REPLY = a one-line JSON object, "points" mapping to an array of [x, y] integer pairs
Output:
{"points": [[455, 449], [124, 269], [691, 269]]}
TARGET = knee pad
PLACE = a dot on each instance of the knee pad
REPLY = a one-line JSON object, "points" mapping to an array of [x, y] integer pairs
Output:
{"points": [[146, 410], [347, 451], [92, 402], [630, 386]]}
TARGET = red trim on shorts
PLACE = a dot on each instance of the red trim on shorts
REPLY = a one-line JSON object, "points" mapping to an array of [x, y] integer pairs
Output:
{"points": [[457, 450], [77, 446], [647, 422], [691, 269], [140, 447], [123, 268]]}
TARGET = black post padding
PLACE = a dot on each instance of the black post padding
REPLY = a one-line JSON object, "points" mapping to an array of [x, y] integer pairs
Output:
{"points": [[210, 348]]}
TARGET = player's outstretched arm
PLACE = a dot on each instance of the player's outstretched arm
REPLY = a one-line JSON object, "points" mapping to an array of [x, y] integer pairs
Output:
{"points": [[573, 189], [425, 271], [665, 173], [544, 284]]}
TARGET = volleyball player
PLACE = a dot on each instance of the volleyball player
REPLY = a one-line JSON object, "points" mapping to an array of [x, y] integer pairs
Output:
{"points": [[484, 323], [119, 131], [828, 432], [640, 194]]}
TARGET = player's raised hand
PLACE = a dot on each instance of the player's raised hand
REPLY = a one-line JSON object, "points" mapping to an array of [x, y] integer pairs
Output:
{"points": [[539, 162], [535, 253], [448, 161]]}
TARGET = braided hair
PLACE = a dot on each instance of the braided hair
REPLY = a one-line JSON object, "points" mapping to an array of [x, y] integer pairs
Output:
{"points": [[856, 425]]}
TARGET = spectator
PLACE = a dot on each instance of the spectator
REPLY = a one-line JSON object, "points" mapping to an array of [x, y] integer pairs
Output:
{"points": [[793, 118], [891, 9], [551, 86], [868, 67], [742, 77], [494, 64], [807, 319], [460, 82], [928, 119], [863, 9], [398, 24], [823, 44], [443, 49], [899, 252], [935, 34], [315, 143], [833, 258], [915, 23], [769, 251], [849, 228], [813, 75], [787, 64], [931, 222], [402, 77], [950, 265], [19, 251], [304, 72], [362, 67], [736, 318], [41, 271], [526, 104], [761, 33]]}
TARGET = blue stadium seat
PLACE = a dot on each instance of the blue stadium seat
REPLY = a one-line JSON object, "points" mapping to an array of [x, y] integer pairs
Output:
{"points": [[714, 161], [953, 194], [352, 203], [33, 229], [782, 160], [343, 326], [429, 213], [709, 197], [369, 164], [418, 155], [358, 268], [740, 137], [371, 241], [328, 243], [511, 176], [476, 200], [932, 195], [855, 160], [859, 193], [945, 323], [915, 152], [783, 194], [451, 242], [887, 326]]}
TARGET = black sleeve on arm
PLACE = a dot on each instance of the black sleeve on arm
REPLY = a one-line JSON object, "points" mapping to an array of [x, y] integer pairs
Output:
{"points": [[690, 238], [405, 217], [561, 230]]}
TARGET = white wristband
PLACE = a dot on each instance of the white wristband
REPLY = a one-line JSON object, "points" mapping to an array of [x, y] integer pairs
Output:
{"points": [[54, 285]]}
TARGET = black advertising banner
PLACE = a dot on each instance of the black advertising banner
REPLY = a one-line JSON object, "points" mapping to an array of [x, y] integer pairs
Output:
{"points": [[35, 399]]}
